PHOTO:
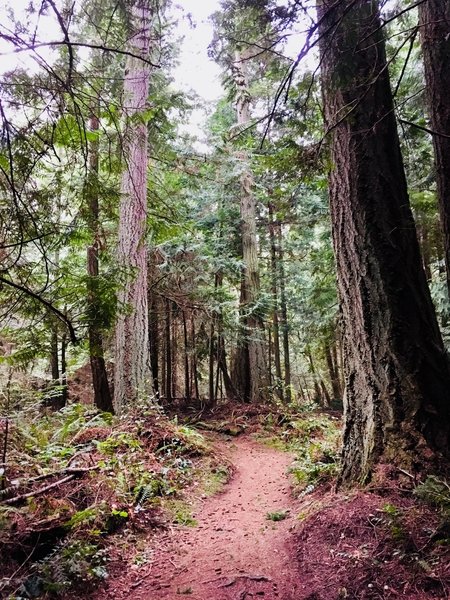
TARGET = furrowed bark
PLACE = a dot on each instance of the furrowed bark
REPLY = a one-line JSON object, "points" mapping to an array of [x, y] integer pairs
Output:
{"points": [[397, 402]]}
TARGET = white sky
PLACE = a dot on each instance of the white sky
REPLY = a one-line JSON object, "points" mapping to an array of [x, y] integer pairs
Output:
{"points": [[196, 70]]}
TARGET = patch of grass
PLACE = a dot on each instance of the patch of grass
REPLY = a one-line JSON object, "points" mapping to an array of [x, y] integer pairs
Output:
{"points": [[180, 513], [214, 479], [277, 515]]}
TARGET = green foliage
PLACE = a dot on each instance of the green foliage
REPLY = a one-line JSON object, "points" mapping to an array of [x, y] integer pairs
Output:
{"points": [[316, 441], [277, 515], [181, 513], [393, 519], [71, 564], [435, 491]]}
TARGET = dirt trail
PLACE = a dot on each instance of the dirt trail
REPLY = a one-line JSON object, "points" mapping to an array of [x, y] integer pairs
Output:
{"points": [[235, 552]]}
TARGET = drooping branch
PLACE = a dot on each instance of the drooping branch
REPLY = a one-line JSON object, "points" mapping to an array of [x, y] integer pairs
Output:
{"points": [[61, 316]]}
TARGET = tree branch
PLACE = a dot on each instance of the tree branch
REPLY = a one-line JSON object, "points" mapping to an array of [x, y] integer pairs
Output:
{"points": [[61, 316]]}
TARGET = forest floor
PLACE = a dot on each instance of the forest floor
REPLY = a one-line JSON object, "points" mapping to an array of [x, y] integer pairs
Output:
{"points": [[235, 503]]}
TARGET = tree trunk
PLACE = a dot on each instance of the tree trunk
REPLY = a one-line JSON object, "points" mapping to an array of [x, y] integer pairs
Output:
{"points": [[174, 350], [284, 318], [274, 257], [153, 325], [168, 345], [434, 21], [332, 370], [397, 374], [252, 370], [102, 393], [212, 396], [132, 358], [194, 358], [187, 380]]}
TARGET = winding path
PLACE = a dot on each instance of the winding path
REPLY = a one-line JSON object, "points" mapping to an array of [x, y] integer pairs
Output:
{"points": [[235, 552]]}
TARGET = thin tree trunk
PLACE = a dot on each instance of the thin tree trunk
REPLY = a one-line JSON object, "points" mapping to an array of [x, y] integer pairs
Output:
{"points": [[174, 350], [274, 256], [284, 317], [332, 370], [63, 370], [168, 345], [397, 396], [132, 357], [434, 20], [154, 339], [212, 399], [102, 394], [194, 358], [187, 381]]}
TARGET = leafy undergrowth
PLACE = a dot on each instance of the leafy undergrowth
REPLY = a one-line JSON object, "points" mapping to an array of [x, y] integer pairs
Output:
{"points": [[78, 483]]}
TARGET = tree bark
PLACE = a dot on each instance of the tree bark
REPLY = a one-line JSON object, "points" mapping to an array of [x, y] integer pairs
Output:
{"points": [[274, 257], [284, 318], [168, 356], [102, 393], [132, 358], [333, 372], [187, 379], [397, 374], [434, 21], [252, 370]]}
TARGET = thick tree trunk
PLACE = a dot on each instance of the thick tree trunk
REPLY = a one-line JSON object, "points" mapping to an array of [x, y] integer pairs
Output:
{"points": [[397, 375], [132, 358], [252, 370], [102, 393], [434, 17]]}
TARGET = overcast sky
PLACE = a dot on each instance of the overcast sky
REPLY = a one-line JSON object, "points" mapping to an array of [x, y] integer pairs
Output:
{"points": [[196, 71]]}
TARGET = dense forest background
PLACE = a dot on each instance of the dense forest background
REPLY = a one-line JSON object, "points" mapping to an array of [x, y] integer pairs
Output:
{"points": [[285, 247], [190, 269]]}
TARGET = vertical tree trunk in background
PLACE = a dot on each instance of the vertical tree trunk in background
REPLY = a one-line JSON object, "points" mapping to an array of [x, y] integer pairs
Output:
{"points": [[212, 395], [333, 371], [63, 370], [194, 358], [187, 380], [284, 317], [174, 350], [434, 20], [252, 371], [153, 329], [397, 395], [102, 393], [132, 360], [54, 355], [275, 315], [168, 345]]}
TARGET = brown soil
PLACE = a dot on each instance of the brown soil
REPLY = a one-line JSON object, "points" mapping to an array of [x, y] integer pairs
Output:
{"points": [[235, 552]]}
